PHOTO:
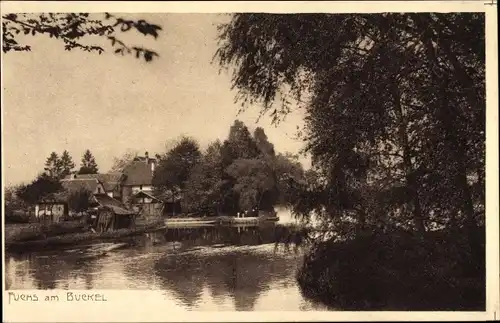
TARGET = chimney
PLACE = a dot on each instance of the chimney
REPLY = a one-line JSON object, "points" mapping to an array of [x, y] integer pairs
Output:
{"points": [[147, 157]]}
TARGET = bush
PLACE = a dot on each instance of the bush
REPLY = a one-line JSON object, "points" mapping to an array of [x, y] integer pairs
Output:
{"points": [[23, 232], [395, 271]]}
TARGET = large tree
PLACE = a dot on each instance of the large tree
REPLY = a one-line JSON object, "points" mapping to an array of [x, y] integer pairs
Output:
{"points": [[242, 173], [53, 165], [240, 142], [12, 200], [262, 142], [175, 166], [58, 167], [88, 165], [66, 163], [394, 101], [204, 189], [79, 201], [77, 31], [255, 183], [119, 163], [44, 186], [394, 107]]}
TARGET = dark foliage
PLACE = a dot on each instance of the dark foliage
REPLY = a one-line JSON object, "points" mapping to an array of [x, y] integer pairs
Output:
{"points": [[175, 166], [396, 271], [59, 167], [43, 186], [395, 125], [88, 165], [79, 201], [241, 174]]}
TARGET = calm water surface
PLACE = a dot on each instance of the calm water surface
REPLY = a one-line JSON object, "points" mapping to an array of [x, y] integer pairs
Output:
{"points": [[203, 268]]}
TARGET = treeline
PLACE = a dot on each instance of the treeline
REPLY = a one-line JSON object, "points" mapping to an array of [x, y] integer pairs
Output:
{"points": [[242, 173], [59, 167]]}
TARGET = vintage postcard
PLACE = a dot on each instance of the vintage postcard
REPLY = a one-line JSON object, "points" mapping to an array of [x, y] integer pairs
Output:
{"points": [[249, 161]]}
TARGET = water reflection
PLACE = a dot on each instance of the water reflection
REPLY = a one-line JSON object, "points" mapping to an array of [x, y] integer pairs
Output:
{"points": [[50, 270], [203, 268]]}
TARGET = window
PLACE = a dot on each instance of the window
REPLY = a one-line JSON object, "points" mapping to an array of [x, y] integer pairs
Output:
{"points": [[99, 190]]}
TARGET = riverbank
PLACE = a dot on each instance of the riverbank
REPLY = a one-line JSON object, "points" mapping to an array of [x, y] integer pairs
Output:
{"points": [[35, 236], [22, 237], [16, 232], [397, 271]]}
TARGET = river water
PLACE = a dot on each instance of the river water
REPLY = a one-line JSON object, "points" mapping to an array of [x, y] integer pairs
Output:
{"points": [[199, 268]]}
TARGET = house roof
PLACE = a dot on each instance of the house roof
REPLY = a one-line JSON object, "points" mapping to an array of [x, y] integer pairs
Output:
{"points": [[76, 184], [138, 173], [145, 194], [63, 196], [117, 207], [110, 181]]}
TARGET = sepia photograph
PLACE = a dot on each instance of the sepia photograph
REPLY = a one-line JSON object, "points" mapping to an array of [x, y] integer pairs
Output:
{"points": [[247, 161]]}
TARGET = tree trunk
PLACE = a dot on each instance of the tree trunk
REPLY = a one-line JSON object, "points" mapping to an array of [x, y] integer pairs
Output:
{"points": [[457, 147], [407, 164], [447, 117], [361, 225]]}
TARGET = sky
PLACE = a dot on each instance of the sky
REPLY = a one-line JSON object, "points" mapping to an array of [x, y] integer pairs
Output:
{"points": [[55, 100]]}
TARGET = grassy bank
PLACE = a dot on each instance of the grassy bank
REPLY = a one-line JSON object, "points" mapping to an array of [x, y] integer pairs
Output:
{"points": [[396, 272], [35, 236], [37, 231]]}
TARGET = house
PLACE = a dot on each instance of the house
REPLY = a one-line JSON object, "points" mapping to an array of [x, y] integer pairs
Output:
{"points": [[112, 214], [56, 207], [133, 187], [144, 203], [111, 182], [139, 175], [137, 186], [137, 189], [102, 187], [171, 203], [52, 209], [74, 183]]}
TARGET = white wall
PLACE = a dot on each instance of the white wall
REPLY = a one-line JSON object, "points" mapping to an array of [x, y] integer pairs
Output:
{"points": [[137, 188], [99, 189]]}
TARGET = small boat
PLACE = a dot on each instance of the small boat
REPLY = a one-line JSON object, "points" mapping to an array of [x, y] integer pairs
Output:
{"points": [[180, 223], [190, 221], [249, 220]]}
